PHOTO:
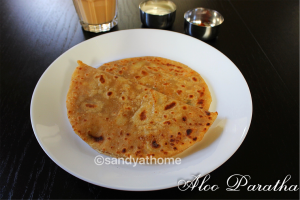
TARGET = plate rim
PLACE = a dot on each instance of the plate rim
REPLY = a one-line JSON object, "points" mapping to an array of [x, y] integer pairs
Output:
{"points": [[61, 165]]}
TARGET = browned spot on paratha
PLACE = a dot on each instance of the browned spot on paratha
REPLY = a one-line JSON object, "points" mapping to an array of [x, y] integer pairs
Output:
{"points": [[171, 105]]}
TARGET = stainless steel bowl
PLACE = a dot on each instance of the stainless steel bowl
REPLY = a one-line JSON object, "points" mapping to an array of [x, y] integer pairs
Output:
{"points": [[157, 14], [202, 23]]}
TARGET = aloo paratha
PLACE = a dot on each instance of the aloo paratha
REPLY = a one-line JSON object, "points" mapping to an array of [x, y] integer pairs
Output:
{"points": [[120, 118], [169, 77]]}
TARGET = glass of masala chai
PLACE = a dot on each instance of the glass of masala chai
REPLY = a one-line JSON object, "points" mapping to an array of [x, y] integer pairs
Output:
{"points": [[97, 15]]}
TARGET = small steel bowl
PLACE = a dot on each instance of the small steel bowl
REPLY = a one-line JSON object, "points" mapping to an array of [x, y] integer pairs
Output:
{"points": [[157, 14], [202, 23]]}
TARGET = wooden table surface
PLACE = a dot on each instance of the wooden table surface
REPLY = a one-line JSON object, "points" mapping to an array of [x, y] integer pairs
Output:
{"points": [[260, 37]]}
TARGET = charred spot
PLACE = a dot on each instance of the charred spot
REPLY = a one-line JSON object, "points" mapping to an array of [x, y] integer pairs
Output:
{"points": [[179, 91], [116, 77], [127, 134], [184, 119], [144, 73], [143, 115], [165, 116], [195, 138], [201, 101], [191, 96], [175, 148], [85, 120], [182, 85], [194, 79], [171, 136], [120, 72], [204, 129], [207, 113], [200, 116], [172, 140], [106, 119], [171, 105], [102, 80], [109, 93], [90, 105], [166, 143], [151, 122], [123, 98], [208, 124], [189, 131], [121, 133], [137, 77], [167, 122], [179, 133], [184, 107], [172, 144], [154, 144], [97, 139], [209, 118]]}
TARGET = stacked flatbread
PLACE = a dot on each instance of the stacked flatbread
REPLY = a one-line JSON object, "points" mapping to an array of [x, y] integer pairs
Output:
{"points": [[169, 77], [121, 116]]}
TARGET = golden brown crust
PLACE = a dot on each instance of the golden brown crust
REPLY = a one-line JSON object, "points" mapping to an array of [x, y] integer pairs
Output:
{"points": [[120, 118], [169, 77]]}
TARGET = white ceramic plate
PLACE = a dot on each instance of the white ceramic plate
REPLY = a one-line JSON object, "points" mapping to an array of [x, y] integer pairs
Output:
{"points": [[230, 94]]}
